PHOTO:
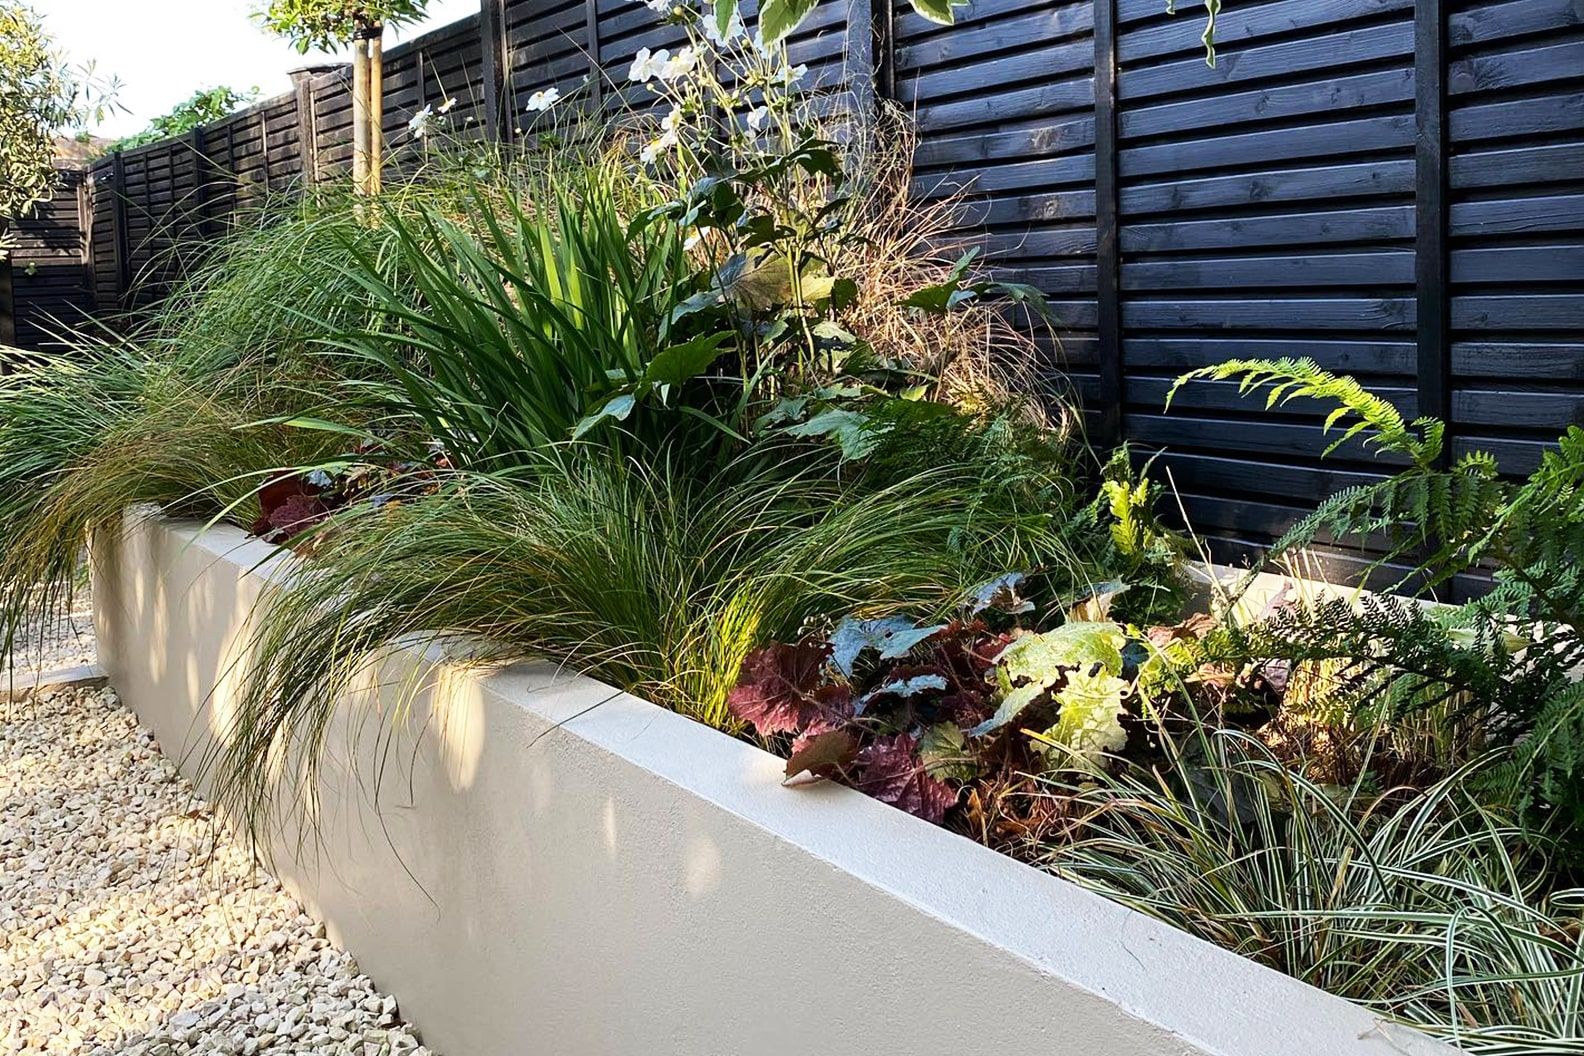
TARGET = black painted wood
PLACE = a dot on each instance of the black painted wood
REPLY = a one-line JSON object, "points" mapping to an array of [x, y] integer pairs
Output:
{"points": [[118, 212], [1432, 259], [1108, 272], [498, 124]]}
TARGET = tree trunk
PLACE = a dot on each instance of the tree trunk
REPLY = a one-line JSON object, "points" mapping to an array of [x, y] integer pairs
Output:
{"points": [[360, 117], [376, 108]]}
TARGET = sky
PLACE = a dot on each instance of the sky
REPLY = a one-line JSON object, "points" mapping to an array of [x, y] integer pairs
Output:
{"points": [[165, 50]]}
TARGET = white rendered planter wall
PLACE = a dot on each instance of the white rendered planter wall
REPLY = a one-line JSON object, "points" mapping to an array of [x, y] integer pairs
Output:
{"points": [[556, 867]]}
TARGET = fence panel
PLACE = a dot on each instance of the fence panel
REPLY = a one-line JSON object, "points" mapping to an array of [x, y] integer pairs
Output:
{"points": [[1005, 109], [50, 276], [1266, 208], [1515, 88]]}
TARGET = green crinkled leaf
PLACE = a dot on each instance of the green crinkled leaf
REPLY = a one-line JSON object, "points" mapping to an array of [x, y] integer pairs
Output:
{"points": [[1035, 662], [943, 749], [679, 363], [850, 430], [1089, 724], [1079, 644]]}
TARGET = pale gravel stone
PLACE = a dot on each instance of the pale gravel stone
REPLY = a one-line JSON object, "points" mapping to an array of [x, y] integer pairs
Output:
{"points": [[134, 925], [62, 639]]}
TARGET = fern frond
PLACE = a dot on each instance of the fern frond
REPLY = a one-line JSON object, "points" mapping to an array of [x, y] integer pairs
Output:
{"points": [[1358, 411], [1392, 655]]}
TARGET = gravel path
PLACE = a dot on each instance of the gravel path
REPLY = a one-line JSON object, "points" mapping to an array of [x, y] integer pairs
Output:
{"points": [[131, 924], [64, 640]]}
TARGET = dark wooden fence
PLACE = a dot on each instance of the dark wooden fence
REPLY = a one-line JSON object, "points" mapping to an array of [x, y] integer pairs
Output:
{"points": [[1393, 188], [48, 279]]}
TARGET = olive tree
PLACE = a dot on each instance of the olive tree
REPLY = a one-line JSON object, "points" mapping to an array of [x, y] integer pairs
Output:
{"points": [[330, 24], [39, 95]]}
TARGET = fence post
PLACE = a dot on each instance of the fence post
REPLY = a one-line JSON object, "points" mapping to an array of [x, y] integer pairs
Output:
{"points": [[860, 66], [497, 71], [118, 221], [882, 34], [8, 334], [1107, 251], [1431, 258], [308, 157], [596, 71], [197, 141]]}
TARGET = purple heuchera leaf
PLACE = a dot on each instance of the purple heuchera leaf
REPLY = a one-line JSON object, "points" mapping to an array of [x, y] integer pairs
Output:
{"points": [[822, 754], [779, 691], [891, 771]]}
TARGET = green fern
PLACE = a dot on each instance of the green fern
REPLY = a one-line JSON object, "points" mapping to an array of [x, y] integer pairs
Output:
{"points": [[1376, 420], [1509, 659]]}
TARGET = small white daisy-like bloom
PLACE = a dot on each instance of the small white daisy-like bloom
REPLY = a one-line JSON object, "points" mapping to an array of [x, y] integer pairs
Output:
{"points": [[795, 73], [693, 239], [419, 125], [445, 107], [659, 7], [543, 100], [646, 65], [711, 29], [757, 118], [670, 127], [679, 65]]}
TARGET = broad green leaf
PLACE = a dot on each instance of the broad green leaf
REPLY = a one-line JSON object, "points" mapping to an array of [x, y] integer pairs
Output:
{"points": [[1012, 706], [939, 11], [617, 407], [724, 10], [1083, 645], [944, 752], [1089, 724], [849, 429], [679, 363], [777, 18]]}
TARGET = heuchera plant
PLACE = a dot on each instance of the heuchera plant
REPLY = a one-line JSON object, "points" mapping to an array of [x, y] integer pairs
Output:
{"points": [[911, 713]]}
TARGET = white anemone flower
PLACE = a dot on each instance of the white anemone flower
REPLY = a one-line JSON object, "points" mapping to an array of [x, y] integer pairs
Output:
{"points": [[419, 125], [445, 107], [670, 127], [646, 65], [795, 74], [679, 65], [757, 118], [543, 100], [659, 7]]}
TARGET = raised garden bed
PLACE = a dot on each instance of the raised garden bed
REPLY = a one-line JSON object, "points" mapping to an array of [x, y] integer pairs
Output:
{"points": [[552, 865]]}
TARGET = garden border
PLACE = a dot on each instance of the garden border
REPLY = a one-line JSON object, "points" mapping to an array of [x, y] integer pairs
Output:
{"points": [[558, 866]]}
